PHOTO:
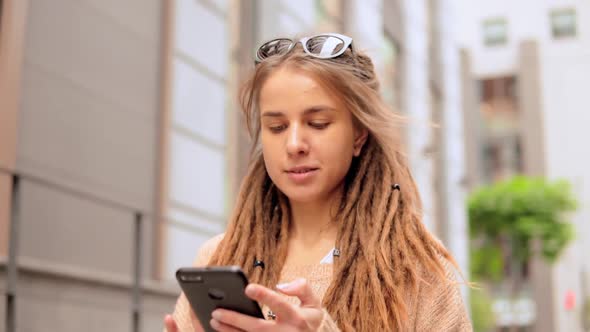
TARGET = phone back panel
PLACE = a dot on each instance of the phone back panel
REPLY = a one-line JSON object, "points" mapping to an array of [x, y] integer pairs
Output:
{"points": [[209, 288]]}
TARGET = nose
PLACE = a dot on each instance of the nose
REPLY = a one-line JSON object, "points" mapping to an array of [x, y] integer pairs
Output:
{"points": [[296, 143]]}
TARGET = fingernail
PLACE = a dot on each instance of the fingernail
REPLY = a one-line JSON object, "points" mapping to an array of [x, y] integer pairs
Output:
{"points": [[216, 314], [250, 288], [214, 324], [284, 285], [293, 283]]}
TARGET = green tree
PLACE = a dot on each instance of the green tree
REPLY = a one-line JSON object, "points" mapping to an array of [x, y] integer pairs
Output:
{"points": [[507, 218]]}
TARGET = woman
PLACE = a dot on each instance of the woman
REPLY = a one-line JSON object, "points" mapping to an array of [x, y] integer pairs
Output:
{"points": [[328, 210]]}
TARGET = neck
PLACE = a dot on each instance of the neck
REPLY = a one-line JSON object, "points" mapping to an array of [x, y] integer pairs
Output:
{"points": [[314, 221]]}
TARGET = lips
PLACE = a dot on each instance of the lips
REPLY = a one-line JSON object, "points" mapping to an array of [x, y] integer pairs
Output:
{"points": [[301, 174], [301, 169]]}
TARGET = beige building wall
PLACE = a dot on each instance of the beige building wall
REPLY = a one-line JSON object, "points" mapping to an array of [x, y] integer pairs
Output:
{"points": [[449, 143], [12, 32], [471, 122], [86, 131], [564, 96]]}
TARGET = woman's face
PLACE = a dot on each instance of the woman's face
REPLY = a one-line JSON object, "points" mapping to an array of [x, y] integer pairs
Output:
{"points": [[308, 137]]}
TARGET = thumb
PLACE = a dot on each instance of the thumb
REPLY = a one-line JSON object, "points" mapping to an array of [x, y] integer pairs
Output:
{"points": [[300, 288], [170, 324]]}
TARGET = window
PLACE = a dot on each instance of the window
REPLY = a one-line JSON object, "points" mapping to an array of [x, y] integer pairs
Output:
{"points": [[563, 23], [495, 32]]}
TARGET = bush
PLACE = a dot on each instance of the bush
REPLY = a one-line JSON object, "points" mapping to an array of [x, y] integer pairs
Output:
{"points": [[506, 217], [481, 310]]}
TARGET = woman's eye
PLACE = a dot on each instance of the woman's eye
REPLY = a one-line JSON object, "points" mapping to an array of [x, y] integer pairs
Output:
{"points": [[277, 129], [319, 125]]}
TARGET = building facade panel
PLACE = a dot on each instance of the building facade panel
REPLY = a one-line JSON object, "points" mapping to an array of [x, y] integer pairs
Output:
{"points": [[56, 228], [58, 304], [104, 158]]}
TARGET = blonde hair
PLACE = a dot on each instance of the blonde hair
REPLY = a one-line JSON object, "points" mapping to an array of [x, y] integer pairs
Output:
{"points": [[384, 246]]}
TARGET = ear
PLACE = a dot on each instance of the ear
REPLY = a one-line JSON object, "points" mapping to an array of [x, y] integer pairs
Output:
{"points": [[359, 140]]}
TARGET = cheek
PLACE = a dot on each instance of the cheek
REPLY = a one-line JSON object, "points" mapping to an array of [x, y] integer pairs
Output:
{"points": [[271, 156], [339, 160], [338, 147], [337, 156]]}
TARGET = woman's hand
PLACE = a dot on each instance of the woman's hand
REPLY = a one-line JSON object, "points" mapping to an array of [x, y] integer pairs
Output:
{"points": [[306, 317], [170, 324]]}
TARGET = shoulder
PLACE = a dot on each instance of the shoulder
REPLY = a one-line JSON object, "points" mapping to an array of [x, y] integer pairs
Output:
{"points": [[439, 300], [207, 249], [432, 284]]}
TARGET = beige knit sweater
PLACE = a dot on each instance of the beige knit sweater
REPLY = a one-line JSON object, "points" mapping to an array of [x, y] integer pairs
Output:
{"points": [[437, 306]]}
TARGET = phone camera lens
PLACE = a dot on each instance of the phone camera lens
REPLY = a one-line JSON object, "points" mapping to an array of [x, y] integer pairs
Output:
{"points": [[191, 278], [194, 278]]}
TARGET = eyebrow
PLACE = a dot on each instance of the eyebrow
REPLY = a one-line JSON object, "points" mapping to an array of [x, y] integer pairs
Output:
{"points": [[310, 110]]}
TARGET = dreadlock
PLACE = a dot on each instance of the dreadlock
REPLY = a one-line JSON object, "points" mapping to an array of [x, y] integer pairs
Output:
{"points": [[384, 245]]}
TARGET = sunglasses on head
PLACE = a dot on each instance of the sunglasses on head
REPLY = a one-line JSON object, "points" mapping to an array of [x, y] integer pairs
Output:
{"points": [[322, 46]]}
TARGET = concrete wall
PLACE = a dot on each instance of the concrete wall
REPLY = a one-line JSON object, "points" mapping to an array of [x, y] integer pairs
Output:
{"points": [[72, 88], [417, 103], [87, 122], [564, 73], [50, 300], [526, 19], [453, 162]]}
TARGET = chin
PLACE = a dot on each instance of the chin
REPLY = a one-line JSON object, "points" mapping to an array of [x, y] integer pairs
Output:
{"points": [[301, 195]]}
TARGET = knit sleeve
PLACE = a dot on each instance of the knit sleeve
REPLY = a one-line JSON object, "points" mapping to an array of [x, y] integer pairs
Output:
{"points": [[183, 314], [440, 307], [328, 324]]}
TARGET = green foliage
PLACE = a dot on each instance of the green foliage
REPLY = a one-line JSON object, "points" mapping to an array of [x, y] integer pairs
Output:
{"points": [[486, 261], [506, 217], [481, 310]]}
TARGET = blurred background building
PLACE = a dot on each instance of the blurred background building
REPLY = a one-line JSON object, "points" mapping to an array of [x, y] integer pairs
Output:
{"points": [[530, 62], [122, 147]]}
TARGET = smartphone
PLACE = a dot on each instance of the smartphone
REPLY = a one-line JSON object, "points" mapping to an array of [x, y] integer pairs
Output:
{"points": [[209, 288]]}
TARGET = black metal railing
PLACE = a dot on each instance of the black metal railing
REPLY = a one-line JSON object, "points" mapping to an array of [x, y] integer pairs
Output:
{"points": [[12, 268]]}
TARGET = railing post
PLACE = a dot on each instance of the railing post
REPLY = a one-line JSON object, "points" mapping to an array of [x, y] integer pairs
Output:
{"points": [[137, 257], [12, 268]]}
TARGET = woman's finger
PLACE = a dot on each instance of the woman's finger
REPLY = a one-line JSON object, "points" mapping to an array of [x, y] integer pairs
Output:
{"points": [[239, 321], [170, 324], [221, 327], [285, 311], [302, 289]]}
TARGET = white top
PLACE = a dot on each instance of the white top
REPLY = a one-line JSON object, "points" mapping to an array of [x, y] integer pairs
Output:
{"points": [[329, 258]]}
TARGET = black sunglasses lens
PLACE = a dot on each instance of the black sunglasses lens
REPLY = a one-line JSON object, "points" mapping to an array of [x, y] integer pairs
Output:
{"points": [[274, 47], [325, 46]]}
